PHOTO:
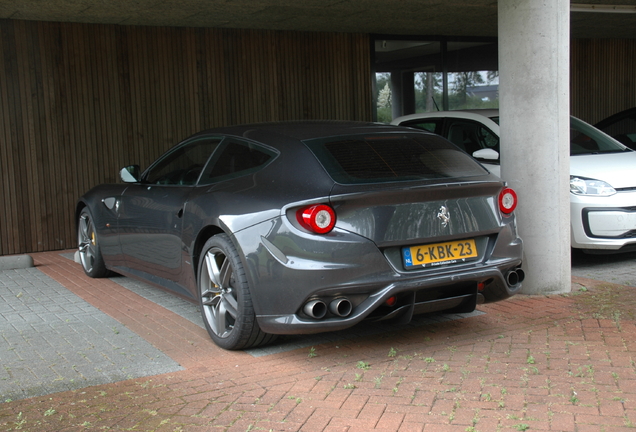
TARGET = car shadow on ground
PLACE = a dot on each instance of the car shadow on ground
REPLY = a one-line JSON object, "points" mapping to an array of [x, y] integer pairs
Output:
{"points": [[614, 268], [582, 259]]}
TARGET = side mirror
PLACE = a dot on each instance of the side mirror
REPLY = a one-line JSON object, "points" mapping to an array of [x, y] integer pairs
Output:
{"points": [[130, 174], [486, 154]]}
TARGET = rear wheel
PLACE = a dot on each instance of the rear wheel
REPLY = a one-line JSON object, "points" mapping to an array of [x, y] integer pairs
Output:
{"points": [[89, 252], [224, 297]]}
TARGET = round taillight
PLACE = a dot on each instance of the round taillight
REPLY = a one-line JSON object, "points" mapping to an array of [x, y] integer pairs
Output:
{"points": [[507, 201], [319, 218]]}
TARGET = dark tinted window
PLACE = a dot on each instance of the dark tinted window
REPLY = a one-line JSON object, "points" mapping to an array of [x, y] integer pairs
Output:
{"points": [[392, 157], [586, 139], [183, 165], [431, 125], [235, 158]]}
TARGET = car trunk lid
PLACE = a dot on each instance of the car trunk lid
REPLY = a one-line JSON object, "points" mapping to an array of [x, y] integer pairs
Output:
{"points": [[390, 215]]}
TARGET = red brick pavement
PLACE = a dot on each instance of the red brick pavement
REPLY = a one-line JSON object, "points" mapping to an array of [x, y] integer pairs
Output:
{"points": [[539, 363]]}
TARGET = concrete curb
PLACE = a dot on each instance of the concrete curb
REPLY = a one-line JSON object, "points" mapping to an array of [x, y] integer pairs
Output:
{"points": [[15, 262]]}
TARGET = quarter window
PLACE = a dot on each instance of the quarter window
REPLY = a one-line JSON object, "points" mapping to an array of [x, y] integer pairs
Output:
{"points": [[234, 159], [183, 165]]}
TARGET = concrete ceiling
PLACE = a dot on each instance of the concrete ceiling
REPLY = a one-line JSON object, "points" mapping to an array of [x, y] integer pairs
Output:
{"points": [[404, 17]]}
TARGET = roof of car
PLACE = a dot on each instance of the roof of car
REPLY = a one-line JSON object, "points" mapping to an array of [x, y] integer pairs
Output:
{"points": [[475, 114], [303, 130], [630, 112]]}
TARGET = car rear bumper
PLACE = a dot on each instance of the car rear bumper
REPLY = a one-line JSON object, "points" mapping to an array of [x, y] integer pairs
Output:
{"points": [[457, 292], [308, 284]]}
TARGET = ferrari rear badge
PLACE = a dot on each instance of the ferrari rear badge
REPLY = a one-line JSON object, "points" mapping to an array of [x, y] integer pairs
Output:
{"points": [[444, 216]]}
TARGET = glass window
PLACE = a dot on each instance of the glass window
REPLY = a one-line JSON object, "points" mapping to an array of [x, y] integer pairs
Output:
{"points": [[473, 90], [182, 165], [586, 139], [471, 136], [392, 157], [234, 159], [431, 125], [413, 76]]}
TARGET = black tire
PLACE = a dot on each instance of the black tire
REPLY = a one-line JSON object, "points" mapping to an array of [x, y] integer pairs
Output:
{"points": [[88, 244], [224, 297]]}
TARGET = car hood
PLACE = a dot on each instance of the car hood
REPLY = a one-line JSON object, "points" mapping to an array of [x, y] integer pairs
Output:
{"points": [[617, 169]]}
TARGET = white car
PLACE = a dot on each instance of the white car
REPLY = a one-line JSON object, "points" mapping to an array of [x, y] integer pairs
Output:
{"points": [[602, 173]]}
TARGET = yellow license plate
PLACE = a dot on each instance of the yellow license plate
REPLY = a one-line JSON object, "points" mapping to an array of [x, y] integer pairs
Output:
{"points": [[439, 253]]}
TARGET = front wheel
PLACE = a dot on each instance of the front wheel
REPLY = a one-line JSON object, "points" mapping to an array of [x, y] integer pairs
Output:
{"points": [[89, 251], [224, 297]]}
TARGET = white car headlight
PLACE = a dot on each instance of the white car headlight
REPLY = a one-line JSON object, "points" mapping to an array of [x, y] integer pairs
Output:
{"points": [[585, 186]]}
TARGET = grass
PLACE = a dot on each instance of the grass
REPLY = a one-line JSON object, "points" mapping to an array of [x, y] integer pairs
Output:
{"points": [[363, 365], [607, 301], [378, 381]]}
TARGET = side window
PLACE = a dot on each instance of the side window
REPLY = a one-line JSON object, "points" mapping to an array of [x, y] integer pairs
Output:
{"points": [[471, 136], [488, 139], [234, 159], [430, 125], [183, 165]]}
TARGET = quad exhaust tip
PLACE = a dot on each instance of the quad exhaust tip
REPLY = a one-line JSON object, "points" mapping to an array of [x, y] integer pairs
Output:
{"points": [[341, 307], [515, 276], [318, 309]]}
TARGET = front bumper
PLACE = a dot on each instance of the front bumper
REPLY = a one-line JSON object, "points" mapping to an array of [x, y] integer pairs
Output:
{"points": [[604, 223]]}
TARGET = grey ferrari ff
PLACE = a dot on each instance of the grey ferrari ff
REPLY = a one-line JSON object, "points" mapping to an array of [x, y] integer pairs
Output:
{"points": [[306, 227]]}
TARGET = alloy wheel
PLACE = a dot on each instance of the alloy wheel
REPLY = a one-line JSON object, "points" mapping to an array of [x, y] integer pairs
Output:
{"points": [[218, 294], [87, 243]]}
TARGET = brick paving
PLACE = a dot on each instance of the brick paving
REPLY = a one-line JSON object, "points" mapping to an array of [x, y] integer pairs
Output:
{"points": [[55, 341], [536, 363]]}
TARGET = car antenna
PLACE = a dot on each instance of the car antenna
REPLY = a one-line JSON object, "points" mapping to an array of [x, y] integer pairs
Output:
{"points": [[433, 99]]}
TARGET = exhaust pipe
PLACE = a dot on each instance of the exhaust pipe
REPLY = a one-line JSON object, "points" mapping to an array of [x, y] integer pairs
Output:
{"points": [[341, 307], [316, 309], [512, 278], [515, 276], [521, 274]]}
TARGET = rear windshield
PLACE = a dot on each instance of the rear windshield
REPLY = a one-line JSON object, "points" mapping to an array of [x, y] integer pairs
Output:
{"points": [[392, 157]]}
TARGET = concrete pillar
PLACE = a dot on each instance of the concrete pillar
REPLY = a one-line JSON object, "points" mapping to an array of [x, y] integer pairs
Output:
{"points": [[534, 58]]}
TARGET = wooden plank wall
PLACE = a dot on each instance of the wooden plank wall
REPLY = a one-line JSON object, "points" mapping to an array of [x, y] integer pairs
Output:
{"points": [[79, 101], [602, 77]]}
